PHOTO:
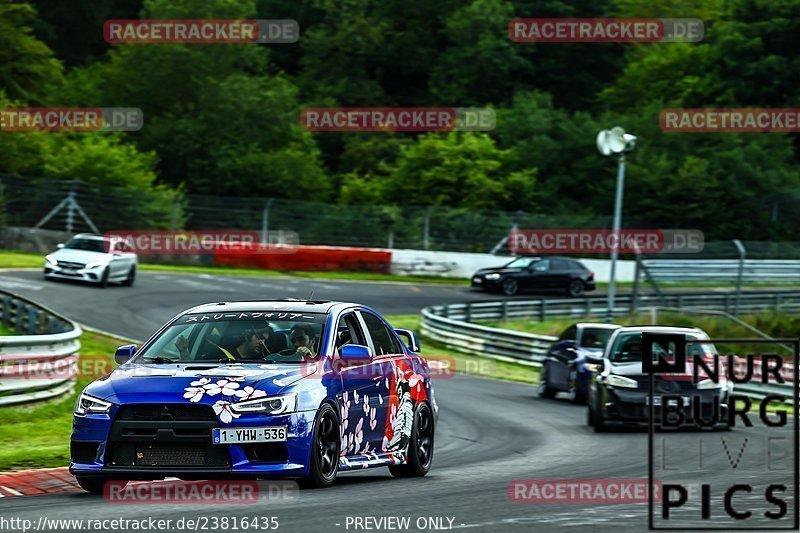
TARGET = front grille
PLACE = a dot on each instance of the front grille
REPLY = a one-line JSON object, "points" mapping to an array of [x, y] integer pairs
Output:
{"points": [[161, 412], [71, 264], [666, 386], [172, 455], [165, 435]]}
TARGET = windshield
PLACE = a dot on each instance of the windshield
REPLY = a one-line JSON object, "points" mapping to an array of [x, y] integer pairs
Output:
{"points": [[90, 245], [595, 337], [628, 348], [522, 262], [243, 337]]}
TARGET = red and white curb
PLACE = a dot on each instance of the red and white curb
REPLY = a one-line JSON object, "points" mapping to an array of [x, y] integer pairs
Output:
{"points": [[45, 481], [41, 481]]}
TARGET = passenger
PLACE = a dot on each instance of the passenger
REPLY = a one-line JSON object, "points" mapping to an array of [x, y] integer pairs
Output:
{"points": [[303, 340]]}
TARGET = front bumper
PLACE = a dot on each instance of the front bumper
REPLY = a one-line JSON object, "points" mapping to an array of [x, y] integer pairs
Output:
{"points": [[82, 274], [624, 407], [101, 446], [479, 282]]}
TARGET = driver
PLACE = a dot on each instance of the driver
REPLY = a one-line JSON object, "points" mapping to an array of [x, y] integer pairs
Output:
{"points": [[252, 343]]}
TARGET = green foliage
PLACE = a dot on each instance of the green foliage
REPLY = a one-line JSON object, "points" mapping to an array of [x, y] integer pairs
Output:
{"points": [[27, 66], [454, 169], [223, 119]]}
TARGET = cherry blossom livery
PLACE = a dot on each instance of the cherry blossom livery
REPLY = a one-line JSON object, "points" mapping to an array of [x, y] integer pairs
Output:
{"points": [[259, 389]]}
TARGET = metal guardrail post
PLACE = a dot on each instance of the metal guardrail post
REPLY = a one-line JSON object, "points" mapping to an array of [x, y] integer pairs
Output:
{"points": [[504, 310], [742, 255], [33, 315], [19, 312], [468, 312], [543, 311], [7, 310]]}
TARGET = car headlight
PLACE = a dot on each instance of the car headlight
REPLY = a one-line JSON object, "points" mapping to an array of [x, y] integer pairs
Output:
{"points": [[270, 405], [711, 384], [51, 259], [493, 276], [94, 264], [619, 381], [90, 404]]}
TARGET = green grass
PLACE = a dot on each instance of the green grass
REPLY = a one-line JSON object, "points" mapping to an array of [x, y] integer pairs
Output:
{"points": [[15, 259], [7, 330], [37, 435]]}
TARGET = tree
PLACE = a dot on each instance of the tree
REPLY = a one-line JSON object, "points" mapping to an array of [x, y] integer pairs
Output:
{"points": [[27, 66]]}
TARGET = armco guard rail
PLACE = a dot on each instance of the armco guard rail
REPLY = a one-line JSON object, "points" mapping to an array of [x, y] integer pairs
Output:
{"points": [[41, 362], [452, 324]]}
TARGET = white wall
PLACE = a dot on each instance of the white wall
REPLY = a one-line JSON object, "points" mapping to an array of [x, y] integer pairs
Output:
{"points": [[463, 265]]}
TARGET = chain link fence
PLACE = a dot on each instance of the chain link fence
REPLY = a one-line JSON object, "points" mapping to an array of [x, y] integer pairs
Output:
{"points": [[73, 206]]}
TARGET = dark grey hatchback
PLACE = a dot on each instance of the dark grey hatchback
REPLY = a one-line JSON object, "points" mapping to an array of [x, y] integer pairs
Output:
{"points": [[536, 273]]}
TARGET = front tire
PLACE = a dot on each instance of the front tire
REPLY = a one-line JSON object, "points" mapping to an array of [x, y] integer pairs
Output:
{"points": [[578, 397], [510, 286], [128, 282], [544, 389], [598, 420], [103, 283], [324, 464], [94, 484], [420, 447]]}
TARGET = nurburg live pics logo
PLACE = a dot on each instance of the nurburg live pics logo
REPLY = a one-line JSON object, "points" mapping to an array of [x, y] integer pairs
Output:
{"points": [[747, 478]]}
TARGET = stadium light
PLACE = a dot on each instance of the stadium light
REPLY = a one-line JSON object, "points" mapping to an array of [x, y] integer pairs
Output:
{"points": [[615, 141]]}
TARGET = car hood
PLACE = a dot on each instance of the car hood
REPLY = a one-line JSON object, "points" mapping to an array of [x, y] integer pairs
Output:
{"points": [[635, 369], [138, 382], [498, 270], [78, 256]]}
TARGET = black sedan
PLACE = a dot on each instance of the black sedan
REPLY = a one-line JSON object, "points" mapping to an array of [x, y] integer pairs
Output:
{"points": [[568, 363], [619, 395], [536, 273]]}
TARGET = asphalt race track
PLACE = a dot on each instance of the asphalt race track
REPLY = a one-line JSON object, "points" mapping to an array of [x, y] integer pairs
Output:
{"points": [[489, 432]]}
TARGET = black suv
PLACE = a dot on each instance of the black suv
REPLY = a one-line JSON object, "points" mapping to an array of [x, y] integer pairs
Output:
{"points": [[536, 273]]}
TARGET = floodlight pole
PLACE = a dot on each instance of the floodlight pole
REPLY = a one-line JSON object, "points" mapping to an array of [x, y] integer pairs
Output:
{"points": [[612, 285]]}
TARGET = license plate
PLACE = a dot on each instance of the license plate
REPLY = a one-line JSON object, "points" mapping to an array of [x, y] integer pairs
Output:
{"points": [[672, 401], [247, 435]]}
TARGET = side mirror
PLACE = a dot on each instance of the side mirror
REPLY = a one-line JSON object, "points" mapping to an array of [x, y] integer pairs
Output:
{"points": [[124, 353], [355, 353], [595, 360], [410, 338], [569, 344], [60, 245]]}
